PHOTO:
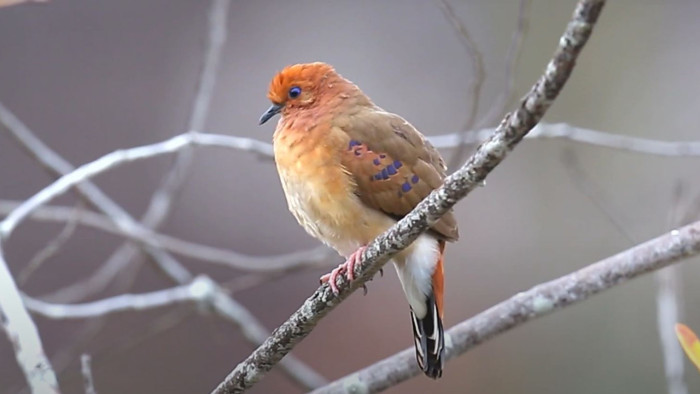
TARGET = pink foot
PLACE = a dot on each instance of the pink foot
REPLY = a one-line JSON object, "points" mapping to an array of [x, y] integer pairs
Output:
{"points": [[347, 267]]}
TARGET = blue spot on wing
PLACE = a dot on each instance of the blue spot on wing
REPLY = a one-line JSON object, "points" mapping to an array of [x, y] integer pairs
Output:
{"points": [[406, 187], [398, 164], [385, 174], [376, 162], [378, 176], [390, 168], [353, 143], [414, 179]]}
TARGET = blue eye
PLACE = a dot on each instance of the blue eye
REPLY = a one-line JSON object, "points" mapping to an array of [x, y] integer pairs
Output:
{"points": [[294, 91]]}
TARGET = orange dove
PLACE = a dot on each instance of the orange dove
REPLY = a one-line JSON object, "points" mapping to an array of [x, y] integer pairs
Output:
{"points": [[349, 171]]}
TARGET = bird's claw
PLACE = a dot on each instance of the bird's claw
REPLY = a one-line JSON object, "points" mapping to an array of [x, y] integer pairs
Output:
{"points": [[348, 267]]}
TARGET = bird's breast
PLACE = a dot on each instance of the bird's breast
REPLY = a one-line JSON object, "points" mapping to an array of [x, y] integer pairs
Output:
{"points": [[321, 193]]}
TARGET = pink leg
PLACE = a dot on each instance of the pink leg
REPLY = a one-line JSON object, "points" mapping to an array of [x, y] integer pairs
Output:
{"points": [[347, 267]]}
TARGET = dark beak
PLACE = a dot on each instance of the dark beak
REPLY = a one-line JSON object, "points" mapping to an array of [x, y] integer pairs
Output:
{"points": [[272, 111]]}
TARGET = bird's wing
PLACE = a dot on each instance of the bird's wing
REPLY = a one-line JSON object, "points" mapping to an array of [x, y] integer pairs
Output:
{"points": [[393, 165]]}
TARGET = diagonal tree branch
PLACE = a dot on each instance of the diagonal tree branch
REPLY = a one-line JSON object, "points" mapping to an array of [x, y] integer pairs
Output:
{"points": [[511, 131], [528, 305]]}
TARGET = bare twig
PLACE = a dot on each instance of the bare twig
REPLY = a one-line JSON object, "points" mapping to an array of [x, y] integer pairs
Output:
{"points": [[477, 79], [103, 164], [667, 296], [586, 136], [528, 305], [669, 302], [86, 371], [315, 257], [56, 165], [668, 313], [199, 290], [456, 186], [594, 193], [52, 248], [504, 99], [162, 199]]}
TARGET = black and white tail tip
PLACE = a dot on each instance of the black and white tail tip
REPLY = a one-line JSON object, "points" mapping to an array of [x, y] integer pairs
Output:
{"points": [[428, 336]]}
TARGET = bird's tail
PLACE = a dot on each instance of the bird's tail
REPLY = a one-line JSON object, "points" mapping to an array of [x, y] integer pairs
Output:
{"points": [[428, 333]]}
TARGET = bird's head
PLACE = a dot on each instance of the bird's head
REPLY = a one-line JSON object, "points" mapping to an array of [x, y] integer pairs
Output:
{"points": [[298, 86]]}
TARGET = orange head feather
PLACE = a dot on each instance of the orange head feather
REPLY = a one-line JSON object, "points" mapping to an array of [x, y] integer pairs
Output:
{"points": [[308, 77], [301, 86]]}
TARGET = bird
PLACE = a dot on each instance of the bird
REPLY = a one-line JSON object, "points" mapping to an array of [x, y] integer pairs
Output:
{"points": [[349, 171]]}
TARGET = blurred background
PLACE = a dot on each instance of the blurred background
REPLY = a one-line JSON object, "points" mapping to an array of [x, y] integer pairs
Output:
{"points": [[92, 77]]}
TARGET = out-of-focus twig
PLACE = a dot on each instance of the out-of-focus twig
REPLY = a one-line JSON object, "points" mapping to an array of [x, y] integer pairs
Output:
{"points": [[477, 79], [585, 136], [498, 108], [86, 371], [199, 290], [669, 299], [107, 162], [542, 299], [315, 257], [52, 248], [164, 197], [584, 184], [57, 166]]}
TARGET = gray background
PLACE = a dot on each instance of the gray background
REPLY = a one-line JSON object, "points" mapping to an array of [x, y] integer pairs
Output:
{"points": [[90, 77]]}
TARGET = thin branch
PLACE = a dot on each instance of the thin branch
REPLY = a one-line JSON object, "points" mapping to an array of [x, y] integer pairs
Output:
{"points": [[584, 184], [504, 99], [528, 305], [667, 296], [52, 248], [57, 166], [477, 79], [103, 164], [456, 186], [669, 302], [586, 136], [86, 371], [201, 290], [311, 258], [668, 313], [162, 200]]}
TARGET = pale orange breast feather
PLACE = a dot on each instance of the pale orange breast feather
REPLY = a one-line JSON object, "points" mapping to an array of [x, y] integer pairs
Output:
{"points": [[319, 191]]}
